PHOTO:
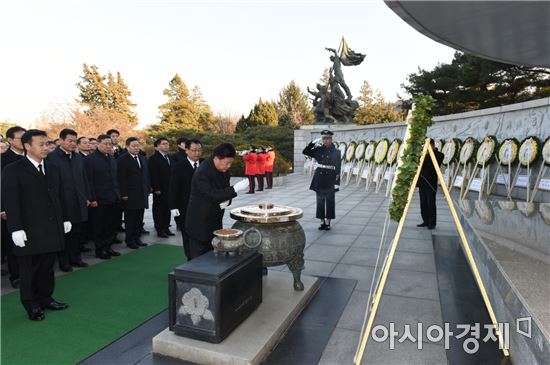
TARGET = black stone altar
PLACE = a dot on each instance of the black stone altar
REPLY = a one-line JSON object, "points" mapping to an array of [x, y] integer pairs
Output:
{"points": [[211, 295]]}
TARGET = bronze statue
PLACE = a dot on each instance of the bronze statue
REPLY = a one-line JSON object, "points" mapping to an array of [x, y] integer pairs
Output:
{"points": [[333, 103]]}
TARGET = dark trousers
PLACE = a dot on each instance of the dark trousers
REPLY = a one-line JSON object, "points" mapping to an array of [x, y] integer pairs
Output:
{"points": [[197, 248], [251, 183], [269, 179], [428, 210], [7, 252], [133, 219], [184, 235], [260, 182], [73, 239], [161, 212], [36, 279], [104, 225], [325, 204]]}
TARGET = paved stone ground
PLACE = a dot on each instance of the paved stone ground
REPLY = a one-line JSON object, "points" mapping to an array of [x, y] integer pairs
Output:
{"points": [[350, 250]]}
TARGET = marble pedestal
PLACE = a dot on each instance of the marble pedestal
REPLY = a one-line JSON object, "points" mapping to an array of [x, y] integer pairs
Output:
{"points": [[253, 340]]}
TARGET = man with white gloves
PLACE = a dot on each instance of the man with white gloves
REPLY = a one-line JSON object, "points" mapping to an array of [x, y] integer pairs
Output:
{"points": [[210, 195], [326, 180], [37, 221]]}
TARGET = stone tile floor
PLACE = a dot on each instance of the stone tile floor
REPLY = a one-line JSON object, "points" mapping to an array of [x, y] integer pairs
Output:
{"points": [[350, 250]]}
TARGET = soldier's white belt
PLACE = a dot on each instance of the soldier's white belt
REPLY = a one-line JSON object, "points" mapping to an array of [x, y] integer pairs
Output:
{"points": [[328, 167]]}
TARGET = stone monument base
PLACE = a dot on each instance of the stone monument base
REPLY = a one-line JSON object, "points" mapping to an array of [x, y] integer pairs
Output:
{"points": [[253, 340]]}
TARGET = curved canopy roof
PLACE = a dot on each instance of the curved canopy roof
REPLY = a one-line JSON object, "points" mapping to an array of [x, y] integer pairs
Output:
{"points": [[516, 32]]}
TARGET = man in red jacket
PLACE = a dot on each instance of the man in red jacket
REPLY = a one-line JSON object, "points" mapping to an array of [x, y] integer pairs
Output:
{"points": [[260, 168], [269, 162], [250, 169]]}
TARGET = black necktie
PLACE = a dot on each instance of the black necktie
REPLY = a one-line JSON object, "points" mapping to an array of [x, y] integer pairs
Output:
{"points": [[69, 155], [167, 159], [195, 165], [137, 161], [40, 169]]}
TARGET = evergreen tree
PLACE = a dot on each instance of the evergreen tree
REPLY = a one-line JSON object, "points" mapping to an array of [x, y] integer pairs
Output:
{"points": [[180, 110], [471, 83], [292, 107], [263, 113], [373, 108], [242, 125], [92, 89], [202, 111]]}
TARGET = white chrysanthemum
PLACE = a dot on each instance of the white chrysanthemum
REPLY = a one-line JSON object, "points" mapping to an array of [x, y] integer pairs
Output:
{"points": [[195, 304]]}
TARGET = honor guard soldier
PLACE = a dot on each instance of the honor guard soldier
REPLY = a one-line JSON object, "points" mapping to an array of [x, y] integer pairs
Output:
{"points": [[326, 180]]}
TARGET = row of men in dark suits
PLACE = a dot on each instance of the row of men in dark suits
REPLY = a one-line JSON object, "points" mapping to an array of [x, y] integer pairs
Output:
{"points": [[49, 195]]}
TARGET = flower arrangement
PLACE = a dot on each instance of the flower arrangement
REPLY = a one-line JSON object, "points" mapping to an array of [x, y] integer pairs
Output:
{"points": [[342, 147], [486, 151], [468, 150], [393, 151], [546, 151], [408, 165], [508, 151], [438, 143], [369, 151], [529, 151], [350, 151], [360, 150], [451, 150], [381, 150]]}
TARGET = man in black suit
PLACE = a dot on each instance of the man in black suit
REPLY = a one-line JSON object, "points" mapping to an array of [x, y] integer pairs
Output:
{"points": [[77, 194], [133, 181], [180, 186], [427, 187], [115, 135], [210, 195], [101, 170], [181, 153], [83, 146], [37, 222], [160, 167], [14, 153]]}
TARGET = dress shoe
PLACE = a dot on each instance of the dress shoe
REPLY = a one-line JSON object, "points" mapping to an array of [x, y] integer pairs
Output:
{"points": [[66, 268], [260, 190], [140, 243], [169, 232], [14, 283], [327, 228], [132, 245], [112, 252], [102, 255], [36, 314], [144, 231], [431, 227], [116, 240], [423, 224], [55, 306], [162, 235], [250, 192], [80, 264], [322, 227]]}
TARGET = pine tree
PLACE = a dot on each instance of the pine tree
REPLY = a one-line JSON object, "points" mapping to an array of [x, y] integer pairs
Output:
{"points": [[263, 113], [373, 108], [203, 113], [292, 107], [179, 111], [93, 91], [122, 102]]}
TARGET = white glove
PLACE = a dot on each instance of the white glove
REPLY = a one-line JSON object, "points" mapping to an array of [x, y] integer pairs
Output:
{"points": [[19, 238], [241, 185], [175, 212], [336, 187], [224, 204], [67, 226], [317, 141], [242, 153]]}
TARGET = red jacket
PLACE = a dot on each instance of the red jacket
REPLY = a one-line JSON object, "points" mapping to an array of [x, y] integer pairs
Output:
{"points": [[260, 164], [269, 161], [250, 159]]}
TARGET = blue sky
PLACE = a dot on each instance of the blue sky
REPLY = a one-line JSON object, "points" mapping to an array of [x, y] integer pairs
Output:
{"points": [[235, 51]]}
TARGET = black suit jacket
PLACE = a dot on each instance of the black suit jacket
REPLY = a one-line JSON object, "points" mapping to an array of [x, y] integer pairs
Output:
{"points": [[133, 181], [75, 183], [324, 179], [102, 176], [180, 186], [160, 171], [209, 188], [428, 176], [35, 204], [179, 156], [6, 159]]}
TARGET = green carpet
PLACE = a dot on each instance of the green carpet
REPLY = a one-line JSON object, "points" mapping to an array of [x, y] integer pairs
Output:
{"points": [[106, 301]]}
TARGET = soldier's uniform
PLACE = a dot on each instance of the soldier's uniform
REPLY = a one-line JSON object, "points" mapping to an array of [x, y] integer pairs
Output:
{"points": [[326, 180]]}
